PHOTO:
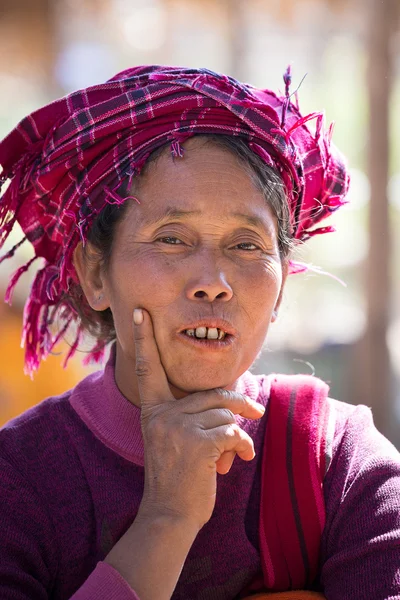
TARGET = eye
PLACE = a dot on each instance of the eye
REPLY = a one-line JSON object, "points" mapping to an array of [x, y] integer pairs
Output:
{"points": [[248, 246], [169, 240]]}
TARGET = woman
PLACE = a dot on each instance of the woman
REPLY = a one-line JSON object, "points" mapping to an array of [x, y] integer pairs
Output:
{"points": [[166, 203]]}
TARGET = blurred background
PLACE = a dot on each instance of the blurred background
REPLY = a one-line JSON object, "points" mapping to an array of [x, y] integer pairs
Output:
{"points": [[343, 326]]}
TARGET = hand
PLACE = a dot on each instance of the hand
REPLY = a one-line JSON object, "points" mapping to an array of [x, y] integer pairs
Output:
{"points": [[186, 441]]}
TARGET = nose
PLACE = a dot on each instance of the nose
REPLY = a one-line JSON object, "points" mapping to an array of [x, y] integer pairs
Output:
{"points": [[209, 287]]}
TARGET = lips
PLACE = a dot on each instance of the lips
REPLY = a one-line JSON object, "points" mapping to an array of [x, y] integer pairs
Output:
{"points": [[210, 335], [201, 329]]}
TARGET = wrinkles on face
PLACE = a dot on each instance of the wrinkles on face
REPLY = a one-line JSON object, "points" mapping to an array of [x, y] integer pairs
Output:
{"points": [[202, 243]]}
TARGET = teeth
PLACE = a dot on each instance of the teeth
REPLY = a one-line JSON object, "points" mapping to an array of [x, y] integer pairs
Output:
{"points": [[201, 332], [211, 333]]}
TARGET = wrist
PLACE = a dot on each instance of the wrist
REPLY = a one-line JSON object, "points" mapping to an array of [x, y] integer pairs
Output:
{"points": [[160, 518], [143, 555]]}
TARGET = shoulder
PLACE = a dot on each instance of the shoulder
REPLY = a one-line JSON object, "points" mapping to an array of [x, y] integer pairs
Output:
{"points": [[356, 438], [42, 431], [358, 448], [346, 433]]}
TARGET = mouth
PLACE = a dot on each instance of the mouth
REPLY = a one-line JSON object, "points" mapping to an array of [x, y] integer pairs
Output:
{"points": [[210, 333]]}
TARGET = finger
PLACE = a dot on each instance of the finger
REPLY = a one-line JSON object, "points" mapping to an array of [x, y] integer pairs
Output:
{"points": [[210, 419], [225, 462], [151, 377], [238, 404], [228, 438]]}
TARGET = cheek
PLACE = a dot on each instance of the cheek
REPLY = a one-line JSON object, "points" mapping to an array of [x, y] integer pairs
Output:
{"points": [[261, 286], [145, 280]]}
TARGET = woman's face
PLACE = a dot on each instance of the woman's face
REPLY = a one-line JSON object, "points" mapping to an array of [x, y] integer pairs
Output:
{"points": [[200, 251]]}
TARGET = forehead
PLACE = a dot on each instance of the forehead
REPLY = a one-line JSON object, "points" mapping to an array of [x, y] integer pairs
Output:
{"points": [[208, 180]]}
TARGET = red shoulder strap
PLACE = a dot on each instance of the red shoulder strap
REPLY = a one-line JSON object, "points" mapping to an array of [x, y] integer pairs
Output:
{"points": [[292, 503]]}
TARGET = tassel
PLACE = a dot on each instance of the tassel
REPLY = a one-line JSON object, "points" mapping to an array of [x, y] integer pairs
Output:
{"points": [[74, 347], [65, 263], [133, 198], [262, 153], [34, 331], [117, 200], [335, 202], [139, 164], [51, 288], [320, 126], [3, 179], [96, 355], [30, 336], [176, 149], [298, 267], [287, 78], [60, 334], [13, 250], [8, 208], [330, 133], [309, 234], [82, 226], [14, 280], [112, 197], [303, 121]]}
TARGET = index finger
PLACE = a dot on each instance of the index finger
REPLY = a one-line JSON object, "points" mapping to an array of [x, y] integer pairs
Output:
{"points": [[152, 380], [219, 398]]}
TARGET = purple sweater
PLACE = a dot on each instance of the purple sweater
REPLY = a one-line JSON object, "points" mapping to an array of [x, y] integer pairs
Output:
{"points": [[71, 472]]}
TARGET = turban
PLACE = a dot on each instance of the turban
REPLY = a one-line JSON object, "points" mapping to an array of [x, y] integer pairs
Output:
{"points": [[69, 159]]}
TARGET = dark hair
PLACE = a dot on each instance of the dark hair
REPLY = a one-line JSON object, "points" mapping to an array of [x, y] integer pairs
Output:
{"points": [[101, 235]]}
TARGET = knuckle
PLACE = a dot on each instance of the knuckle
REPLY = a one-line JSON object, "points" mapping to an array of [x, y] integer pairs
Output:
{"points": [[223, 393], [230, 396], [237, 432], [143, 368], [224, 396], [232, 431], [228, 414], [140, 341]]}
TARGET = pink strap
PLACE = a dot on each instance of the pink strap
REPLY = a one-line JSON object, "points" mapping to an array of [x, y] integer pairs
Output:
{"points": [[292, 514]]}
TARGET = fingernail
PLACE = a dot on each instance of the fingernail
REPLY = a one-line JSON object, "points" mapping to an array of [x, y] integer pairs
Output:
{"points": [[261, 408], [138, 316]]}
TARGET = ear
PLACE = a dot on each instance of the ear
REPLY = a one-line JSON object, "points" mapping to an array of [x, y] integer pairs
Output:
{"points": [[285, 271], [88, 266]]}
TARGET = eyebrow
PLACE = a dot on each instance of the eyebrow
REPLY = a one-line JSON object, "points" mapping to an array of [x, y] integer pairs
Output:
{"points": [[172, 213], [251, 220], [179, 214]]}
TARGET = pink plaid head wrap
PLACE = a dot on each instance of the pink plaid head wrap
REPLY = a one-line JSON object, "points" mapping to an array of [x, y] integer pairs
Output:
{"points": [[69, 159]]}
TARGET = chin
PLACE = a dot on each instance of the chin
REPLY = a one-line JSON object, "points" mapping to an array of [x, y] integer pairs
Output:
{"points": [[200, 382]]}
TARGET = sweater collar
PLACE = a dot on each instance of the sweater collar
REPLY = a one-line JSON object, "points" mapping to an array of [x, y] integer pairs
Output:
{"points": [[113, 419]]}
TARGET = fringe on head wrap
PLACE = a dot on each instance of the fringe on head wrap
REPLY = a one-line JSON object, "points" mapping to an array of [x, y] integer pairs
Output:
{"points": [[69, 159]]}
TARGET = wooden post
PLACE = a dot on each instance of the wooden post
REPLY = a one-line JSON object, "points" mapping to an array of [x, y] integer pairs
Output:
{"points": [[374, 385]]}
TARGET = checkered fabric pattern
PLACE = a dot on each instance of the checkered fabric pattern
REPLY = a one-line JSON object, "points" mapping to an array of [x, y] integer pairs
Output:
{"points": [[67, 160]]}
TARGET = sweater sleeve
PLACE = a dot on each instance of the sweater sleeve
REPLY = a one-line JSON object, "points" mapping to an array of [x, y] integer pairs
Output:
{"points": [[105, 583], [361, 542]]}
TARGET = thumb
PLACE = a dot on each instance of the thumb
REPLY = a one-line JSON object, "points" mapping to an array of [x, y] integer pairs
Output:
{"points": [[152, 380]]}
